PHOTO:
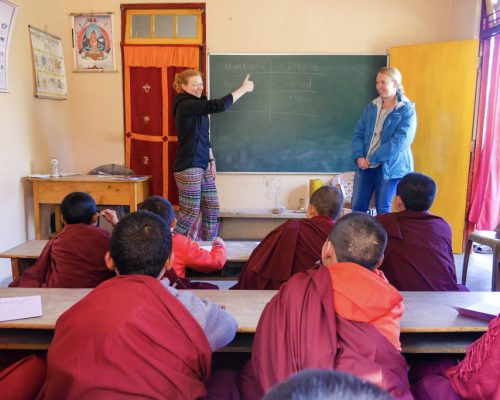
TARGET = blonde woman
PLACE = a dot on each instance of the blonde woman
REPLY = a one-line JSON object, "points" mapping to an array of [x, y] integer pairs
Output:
{"points": [[194, 166], [381, 143]]}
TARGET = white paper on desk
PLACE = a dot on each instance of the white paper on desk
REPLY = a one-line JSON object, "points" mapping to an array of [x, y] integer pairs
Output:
{"points": [[39, 176], [20, 307], [207, 248], [63, 174], [483, 311]]}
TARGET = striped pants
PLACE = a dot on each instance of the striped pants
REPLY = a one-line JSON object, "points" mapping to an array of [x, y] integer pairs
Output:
{"points": [[197, 194]]}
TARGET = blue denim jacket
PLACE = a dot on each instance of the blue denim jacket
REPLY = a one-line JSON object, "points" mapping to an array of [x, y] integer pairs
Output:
{"points": [[394, 152]]}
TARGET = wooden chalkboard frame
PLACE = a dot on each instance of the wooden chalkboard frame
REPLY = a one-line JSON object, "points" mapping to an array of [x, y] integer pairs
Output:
{"points": [[228, 146]]}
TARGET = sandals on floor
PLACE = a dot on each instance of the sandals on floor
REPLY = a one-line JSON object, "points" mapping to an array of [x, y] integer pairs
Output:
{"points": [[481, 249]]}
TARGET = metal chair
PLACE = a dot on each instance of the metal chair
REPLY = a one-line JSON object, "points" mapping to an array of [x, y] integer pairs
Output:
{"points": [[345, 182], [488, 238]]}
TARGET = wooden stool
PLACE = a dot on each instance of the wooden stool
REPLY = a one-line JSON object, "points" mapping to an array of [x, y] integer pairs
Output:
{"points": [[488, 238]]}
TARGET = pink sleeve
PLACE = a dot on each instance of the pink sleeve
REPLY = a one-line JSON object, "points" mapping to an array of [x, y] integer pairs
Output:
{"points": [[202, 260]]}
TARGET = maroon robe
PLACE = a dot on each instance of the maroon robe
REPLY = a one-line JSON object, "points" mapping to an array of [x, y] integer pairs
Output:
{"points": [[73, 259], [23, 379], [418, 256], [292, 247], [128, 338], [477, 376], [299, 330]]}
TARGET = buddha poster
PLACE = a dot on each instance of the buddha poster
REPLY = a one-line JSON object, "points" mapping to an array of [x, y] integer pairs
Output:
{"points": [[93, 42]]}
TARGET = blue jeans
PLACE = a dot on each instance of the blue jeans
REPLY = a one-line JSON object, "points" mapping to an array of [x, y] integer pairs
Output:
{"points": [[372, 180]]}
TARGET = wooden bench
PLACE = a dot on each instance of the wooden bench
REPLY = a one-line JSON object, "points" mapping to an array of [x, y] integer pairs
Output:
{"points": [[252, 223]]}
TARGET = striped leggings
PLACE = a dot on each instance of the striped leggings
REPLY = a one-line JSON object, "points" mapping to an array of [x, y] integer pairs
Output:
{"points": [[197, 194]]}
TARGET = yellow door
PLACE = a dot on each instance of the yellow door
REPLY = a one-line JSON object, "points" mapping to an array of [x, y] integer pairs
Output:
{"points": [[441, 79]]}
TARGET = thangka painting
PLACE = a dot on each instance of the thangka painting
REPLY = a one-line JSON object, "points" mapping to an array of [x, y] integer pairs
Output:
{"points": [[93, 42], [48, 63]]}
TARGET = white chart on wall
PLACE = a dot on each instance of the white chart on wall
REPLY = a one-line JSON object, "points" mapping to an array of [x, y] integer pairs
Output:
{"points": [[7, 17]]}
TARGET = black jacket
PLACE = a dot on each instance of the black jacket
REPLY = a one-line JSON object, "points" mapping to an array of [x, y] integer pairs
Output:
{"points": [[191, 120]]}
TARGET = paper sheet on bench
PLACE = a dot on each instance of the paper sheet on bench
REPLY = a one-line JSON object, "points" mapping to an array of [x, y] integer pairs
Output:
{"points": [[207, 248], [20, 307], [483, 311]]}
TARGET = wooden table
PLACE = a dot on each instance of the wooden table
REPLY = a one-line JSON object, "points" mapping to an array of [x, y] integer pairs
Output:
{"points": [[428, 326], [25, 255], [104, 190]]}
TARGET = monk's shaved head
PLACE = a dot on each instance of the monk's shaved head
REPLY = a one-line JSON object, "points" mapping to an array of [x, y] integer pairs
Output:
{"points": [[417, 191], [161, 207], [316, 384], [141, 243], [328, 201], [78, 208], [359, 238]]}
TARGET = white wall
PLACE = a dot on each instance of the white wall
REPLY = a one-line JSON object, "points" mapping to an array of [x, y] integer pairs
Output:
{"points": [[288, 26], [87, 129], [31, 130]]}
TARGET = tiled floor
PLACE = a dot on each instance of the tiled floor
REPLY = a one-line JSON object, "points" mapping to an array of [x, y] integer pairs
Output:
{"points": [[479, 271]]}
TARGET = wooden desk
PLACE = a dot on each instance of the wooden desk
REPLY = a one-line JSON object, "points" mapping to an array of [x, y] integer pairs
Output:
{"points": [[428, 326], [236, 250], [105, 191], [25, 255]]}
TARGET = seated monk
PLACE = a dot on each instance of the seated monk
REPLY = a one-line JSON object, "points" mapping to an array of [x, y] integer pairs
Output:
{"points": [[293, 246], [186, 252], [477, 376], [132, 336], [418, 255], [75, 257], [23, 379], [342, 315]]}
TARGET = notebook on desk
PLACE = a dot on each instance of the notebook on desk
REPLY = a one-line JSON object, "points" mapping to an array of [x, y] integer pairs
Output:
{"points": [[481, 311]]}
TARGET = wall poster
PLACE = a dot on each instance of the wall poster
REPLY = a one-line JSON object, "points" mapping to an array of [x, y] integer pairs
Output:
{"points": [[93, 42], [48, 63], [7, 17]]}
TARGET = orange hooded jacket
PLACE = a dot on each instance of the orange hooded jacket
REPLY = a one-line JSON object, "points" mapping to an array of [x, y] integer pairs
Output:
{"points": [[362, 295]]}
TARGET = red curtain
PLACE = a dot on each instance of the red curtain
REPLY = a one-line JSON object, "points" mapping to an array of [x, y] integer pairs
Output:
{"points": [[151, 140], [485, 206]]}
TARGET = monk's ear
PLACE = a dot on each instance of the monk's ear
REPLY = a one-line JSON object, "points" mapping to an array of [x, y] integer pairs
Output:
{"points": [[328, 253], [168, 265], [170, 261], [398, 204], [311, 211], [174, 222], [110, 264], [94, 218], [379, 263]]}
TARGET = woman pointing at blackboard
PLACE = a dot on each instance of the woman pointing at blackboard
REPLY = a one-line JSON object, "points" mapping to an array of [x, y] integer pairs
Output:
{"points": [[194, 166], [381, 143]]}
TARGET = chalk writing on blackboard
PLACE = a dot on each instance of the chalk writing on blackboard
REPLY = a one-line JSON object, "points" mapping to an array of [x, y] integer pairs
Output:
{"points": [[300, 116]]}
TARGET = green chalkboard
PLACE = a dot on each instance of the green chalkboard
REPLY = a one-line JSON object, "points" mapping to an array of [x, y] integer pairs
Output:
{"points": [[300, 116]]}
